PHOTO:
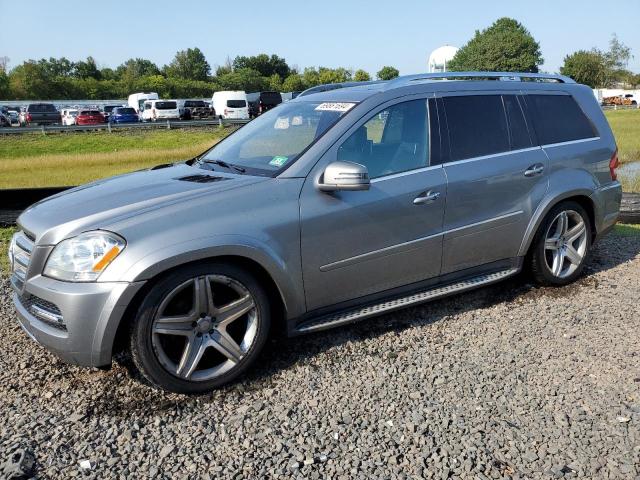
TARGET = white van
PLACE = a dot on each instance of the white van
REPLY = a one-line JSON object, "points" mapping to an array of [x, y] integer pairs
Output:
{"points": [[136, 100], [68, 116], [160, 110], [231, 104]]}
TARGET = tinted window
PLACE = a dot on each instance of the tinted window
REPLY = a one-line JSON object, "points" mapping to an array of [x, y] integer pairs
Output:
{"points": [[195, 103], [166, 105], [270, 98], [236, 103], [477, 126], [558, 118], [42, 107], [392, 141], [125, 111], [517, 123]]}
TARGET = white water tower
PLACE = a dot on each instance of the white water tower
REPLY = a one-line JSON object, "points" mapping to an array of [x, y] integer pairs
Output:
{"points": [[440, 57]]}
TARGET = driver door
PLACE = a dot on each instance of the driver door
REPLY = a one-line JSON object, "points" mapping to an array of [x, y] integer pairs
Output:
{"points": [[358, 243]]}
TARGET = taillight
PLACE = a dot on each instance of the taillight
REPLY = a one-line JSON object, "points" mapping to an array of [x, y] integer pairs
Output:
{"points": [[28, 117], [613, 164]]}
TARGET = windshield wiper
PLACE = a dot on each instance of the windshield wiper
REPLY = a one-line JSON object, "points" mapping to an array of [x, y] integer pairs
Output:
{"points": [[224, 164]]}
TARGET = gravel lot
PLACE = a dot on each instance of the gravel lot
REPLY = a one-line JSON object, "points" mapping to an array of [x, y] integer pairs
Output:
{"points": [[506, 381]]}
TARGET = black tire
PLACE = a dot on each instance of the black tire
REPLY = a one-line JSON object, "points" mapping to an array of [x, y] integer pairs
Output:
{"points": [[538, 254], [144, 358]]}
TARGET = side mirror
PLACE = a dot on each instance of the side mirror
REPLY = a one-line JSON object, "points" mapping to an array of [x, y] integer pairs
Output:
{"points": [[344, 176]]}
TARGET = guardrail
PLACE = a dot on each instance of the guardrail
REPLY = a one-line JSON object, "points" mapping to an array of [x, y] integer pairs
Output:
{"points": [[169, 124], [620, 107]]}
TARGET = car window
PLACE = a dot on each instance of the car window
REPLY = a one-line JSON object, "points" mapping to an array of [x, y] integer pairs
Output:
{"points": [[558, 118], [236, 103], [477, 126], [147, 106], [517, 124], [393, 140]]}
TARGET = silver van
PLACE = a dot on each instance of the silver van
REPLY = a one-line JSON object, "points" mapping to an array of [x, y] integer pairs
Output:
{"points": [[328, 209]]}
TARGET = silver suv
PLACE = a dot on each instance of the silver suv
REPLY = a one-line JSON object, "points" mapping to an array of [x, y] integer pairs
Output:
{"points": [[328, 209]]}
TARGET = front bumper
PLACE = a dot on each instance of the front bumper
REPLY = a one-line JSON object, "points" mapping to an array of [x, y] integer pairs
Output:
{"points": [[91, 313]]}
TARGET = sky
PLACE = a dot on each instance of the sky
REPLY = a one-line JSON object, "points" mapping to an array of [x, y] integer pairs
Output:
{"points": [[366, 34]]}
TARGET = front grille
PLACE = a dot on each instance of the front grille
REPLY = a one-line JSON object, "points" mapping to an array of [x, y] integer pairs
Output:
{"points": [[21, 259], [43, 310]]}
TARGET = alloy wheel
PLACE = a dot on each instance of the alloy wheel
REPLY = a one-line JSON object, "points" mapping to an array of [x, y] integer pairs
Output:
{"points": [[204, 327], [565, 243]]}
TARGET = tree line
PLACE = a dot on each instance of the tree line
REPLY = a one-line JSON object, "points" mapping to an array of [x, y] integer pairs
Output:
{"points": [[506, 45], [187, 75]]}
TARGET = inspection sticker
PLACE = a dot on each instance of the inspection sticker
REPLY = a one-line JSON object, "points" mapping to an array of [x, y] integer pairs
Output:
{"points": [[278, 161], [335, 107]]}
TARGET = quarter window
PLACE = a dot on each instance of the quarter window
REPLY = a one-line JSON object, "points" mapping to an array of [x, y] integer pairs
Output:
{"points": [[558, 118], [394, 140], [477, 126]]}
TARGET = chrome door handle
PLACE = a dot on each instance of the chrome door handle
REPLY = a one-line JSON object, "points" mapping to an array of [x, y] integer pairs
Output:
{"points": [[426, 197], [534, 170]]}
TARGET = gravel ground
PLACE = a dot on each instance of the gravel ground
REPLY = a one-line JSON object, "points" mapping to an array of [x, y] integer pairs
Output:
{"points": [[506, 381]]}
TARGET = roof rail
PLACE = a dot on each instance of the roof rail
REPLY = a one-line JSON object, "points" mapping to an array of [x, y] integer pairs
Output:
{"points": [[504, 76]]}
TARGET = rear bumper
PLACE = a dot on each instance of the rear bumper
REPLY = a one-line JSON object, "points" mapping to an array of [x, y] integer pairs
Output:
{"points": [[607, 200], [90, 312]]}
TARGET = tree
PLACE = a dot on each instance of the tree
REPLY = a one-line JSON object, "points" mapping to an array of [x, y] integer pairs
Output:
{"points": [[136, 68], [333, 75], [587, 67], [506, 46], [87, 69], [243, 79], [293, 83], [387, 73], [361, 76], [263, 64], [189, 64]]}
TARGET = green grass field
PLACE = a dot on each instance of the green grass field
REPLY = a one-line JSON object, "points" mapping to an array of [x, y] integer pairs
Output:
{"points": [[59, 159]]}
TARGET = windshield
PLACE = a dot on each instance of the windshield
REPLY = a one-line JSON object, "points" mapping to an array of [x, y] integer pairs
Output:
{"points": [[165, 105], [274, 140]]}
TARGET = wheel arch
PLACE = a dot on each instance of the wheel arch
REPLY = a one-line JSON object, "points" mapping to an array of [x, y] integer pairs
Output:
{"points": [[582, 197]]}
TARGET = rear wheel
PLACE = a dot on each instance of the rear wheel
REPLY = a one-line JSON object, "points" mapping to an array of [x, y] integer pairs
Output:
{"points": [[199, 328], [561, 245]]}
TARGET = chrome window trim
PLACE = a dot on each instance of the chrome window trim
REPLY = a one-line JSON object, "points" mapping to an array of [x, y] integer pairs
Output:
{"points": [[406, 172], [570, 142]]}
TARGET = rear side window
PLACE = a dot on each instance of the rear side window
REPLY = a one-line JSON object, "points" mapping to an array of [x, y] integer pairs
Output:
{"points": [[517, 124], [558, 118], [477, 126]]}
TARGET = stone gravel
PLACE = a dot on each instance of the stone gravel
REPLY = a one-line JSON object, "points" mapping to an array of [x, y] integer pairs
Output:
{"points": [[509, 381]]}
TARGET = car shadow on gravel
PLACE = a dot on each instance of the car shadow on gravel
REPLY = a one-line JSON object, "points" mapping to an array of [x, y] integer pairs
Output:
{"points": [[283, 353]]}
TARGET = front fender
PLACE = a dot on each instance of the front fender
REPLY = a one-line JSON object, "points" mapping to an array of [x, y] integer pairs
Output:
{"points": [[287, 277]]}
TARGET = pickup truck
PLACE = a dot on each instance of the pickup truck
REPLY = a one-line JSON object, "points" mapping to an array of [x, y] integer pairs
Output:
{"points": [[39, 114], [196, 109]]}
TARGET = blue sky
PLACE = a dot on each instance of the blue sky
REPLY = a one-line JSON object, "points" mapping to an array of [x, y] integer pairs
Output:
{"points": [[367, 34]]}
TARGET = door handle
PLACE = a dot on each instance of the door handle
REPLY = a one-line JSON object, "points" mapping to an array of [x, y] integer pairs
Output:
{"points": [[426, 197], [534, 170]]}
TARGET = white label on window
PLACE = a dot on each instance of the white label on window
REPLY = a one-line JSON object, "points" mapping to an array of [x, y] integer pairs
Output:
{"points": [[282, 123], [335, 107]]}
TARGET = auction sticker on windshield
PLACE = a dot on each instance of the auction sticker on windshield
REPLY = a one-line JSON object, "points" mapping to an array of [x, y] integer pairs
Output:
{"points": [[335, 107], [278, 161]]}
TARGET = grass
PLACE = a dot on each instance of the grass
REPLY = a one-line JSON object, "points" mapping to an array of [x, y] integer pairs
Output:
{"points": [[626, 128], [34, 160], [5, 238], [6, 233]]}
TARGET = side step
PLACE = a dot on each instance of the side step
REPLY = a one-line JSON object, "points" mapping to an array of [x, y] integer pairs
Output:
{"points": [[330, 321]]}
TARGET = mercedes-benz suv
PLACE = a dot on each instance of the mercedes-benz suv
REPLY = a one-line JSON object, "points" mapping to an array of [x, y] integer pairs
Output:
{"points": [[331, 208]]}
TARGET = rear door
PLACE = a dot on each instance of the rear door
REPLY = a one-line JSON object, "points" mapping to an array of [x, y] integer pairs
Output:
{"points": [[357, 243], [496, 175]]}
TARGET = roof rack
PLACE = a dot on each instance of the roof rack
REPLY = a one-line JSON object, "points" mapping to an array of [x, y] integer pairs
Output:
{"points": [[503, 76]]}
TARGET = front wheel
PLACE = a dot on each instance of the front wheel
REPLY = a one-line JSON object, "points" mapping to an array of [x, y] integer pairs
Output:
{"points": [[561, 245], [200, 328]]}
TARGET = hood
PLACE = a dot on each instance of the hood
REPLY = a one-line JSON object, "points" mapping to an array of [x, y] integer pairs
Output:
{"points": [[99, 204]]}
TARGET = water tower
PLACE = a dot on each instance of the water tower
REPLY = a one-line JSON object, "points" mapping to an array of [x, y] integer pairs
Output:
{"points": [[440, 57]]}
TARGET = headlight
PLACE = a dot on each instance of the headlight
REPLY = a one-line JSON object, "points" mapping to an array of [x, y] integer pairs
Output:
{"points": [[83, 258]]}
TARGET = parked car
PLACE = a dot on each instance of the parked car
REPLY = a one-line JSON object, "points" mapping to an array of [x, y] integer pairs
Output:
{"points": [[69, 116], [14, 117], [136, 100], [5, 121], [106, 111], [261, 102], [160, 110], [39, 114], [329, 209], [231, 104], [123, 115], [89, 117], [195, 109]]}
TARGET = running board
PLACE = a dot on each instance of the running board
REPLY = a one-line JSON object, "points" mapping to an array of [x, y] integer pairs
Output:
{"points": [[324, 323]]}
